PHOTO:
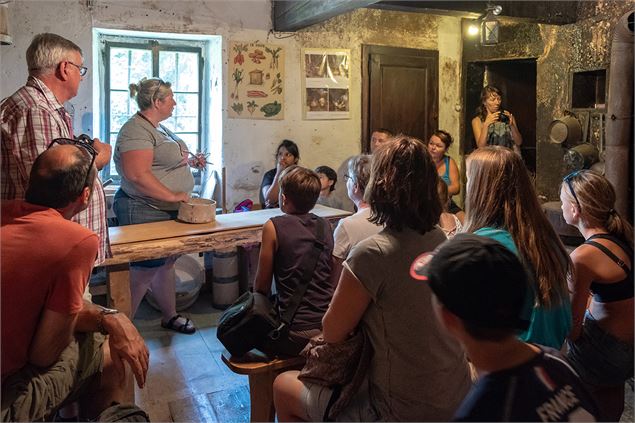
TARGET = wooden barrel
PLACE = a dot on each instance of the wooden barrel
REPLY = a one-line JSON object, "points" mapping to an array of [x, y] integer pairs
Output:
{"points": [[225, 288]]}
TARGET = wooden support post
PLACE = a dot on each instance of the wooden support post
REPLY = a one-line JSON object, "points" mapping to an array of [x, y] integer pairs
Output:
{"points": [[119, 297]]}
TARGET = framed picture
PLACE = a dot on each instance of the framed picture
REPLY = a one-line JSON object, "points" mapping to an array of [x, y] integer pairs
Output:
{"points": [[256, 81], [326, 83]]}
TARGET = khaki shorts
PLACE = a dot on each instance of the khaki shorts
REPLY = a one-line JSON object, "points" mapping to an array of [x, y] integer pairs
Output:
{"points": [[34, 394]]}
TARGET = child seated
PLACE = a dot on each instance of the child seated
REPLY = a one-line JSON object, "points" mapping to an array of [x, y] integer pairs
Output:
{"points": [[286, 242], [450, 223], [479, 290], [328, 179]]}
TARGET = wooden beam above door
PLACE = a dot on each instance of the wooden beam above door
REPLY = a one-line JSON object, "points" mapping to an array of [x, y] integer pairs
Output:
{"points": [[291, 16]]}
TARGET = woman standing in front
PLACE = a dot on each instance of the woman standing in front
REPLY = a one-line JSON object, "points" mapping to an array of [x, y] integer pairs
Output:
{"points": [[601, 340], [155, 178], [494, 126]]}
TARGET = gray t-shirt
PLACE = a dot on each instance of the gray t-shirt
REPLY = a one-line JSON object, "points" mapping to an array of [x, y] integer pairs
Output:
{"points": [[167, 162], [417, 372], [351, 230]]}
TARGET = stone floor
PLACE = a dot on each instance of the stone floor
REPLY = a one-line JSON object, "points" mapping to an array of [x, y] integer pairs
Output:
{"points": [[187, 380]]}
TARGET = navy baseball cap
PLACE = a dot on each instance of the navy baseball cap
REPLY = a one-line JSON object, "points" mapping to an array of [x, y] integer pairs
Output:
{"points": [[478, 279]]}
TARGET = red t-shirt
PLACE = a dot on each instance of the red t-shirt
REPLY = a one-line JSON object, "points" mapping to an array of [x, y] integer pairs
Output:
{"points": [[46, 262]]}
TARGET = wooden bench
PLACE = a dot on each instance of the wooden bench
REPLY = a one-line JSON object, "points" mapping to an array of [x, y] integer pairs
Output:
{"points": [[261, 375]]}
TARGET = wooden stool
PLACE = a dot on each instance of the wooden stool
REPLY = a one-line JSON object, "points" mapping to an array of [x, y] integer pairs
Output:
{"points": [[261, 375]]}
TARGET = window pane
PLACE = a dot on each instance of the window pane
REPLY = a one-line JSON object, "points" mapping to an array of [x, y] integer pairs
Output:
{"points": [[140, 65], [121, 108], [191, 140], [113, 171], [186, 124], [170, 123], [167, 67], [119, 68], [181, 69], [186, 105]]}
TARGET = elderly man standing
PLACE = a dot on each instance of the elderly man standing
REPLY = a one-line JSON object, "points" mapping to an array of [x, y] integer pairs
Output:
{"points": [[53, 349], [34, 115]]}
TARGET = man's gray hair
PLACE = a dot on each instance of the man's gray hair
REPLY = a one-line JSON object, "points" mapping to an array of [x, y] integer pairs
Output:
{"points": [[47, 51]]}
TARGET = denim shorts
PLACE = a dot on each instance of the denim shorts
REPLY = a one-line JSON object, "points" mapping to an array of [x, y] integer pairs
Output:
{"points": [[34, 394], [132, 211], [598, 357]]}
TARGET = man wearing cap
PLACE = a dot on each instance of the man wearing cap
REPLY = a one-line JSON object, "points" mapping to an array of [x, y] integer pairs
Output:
{"points": [[480, 288]]}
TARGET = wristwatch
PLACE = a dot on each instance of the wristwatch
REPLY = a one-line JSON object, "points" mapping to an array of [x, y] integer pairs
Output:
{"points": [[100, 323]]}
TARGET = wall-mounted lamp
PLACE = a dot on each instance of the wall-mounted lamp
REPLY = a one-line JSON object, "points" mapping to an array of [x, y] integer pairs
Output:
{"points": [[472, 30], [490, 25]]}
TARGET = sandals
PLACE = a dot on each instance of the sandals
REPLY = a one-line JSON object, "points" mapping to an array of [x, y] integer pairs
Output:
{"points": [[187, 328]]}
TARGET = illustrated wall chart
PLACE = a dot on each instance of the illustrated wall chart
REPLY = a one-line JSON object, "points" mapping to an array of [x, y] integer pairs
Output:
{"points": [[326, 83], [256, 81]]}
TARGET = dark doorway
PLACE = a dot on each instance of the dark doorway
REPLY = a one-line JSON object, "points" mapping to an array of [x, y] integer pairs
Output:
{"points": [[400, 91], [517, 81]]}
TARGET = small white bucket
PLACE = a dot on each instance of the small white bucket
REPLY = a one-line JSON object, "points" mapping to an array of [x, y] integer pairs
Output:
{"points": [[225, 288]]}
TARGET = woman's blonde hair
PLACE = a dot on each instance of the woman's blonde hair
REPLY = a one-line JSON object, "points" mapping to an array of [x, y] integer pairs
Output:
{"points": [[149, 89], [597, 201], [501, 194]]}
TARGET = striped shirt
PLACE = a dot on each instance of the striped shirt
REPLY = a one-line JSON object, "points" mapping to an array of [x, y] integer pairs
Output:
{"points": [[30, 119]]}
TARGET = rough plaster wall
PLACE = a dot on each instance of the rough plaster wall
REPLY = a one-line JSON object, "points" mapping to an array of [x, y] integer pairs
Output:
{"points": [[396, 29], [248, 144], [585, 45], [560, 50]]}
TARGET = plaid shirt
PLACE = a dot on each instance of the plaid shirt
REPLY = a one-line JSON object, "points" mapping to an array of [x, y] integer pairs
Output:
{"points": [[30, 119]]}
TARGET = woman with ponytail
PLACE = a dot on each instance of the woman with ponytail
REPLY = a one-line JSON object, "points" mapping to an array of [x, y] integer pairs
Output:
{"points": [[601, 340]]}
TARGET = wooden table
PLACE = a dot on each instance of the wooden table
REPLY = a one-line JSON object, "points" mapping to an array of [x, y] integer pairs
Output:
{"points": [[162, 239]]}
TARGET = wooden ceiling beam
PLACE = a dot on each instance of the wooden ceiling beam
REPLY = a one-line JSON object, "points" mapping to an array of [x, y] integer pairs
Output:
{"points": [[291, 16], [548, 12]]}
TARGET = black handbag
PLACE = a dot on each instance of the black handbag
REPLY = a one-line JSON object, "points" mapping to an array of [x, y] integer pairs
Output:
{"points": [[252, 321]]}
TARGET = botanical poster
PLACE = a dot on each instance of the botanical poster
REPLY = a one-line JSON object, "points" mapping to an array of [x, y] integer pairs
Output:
{"points": [[256, 81], [326, 83]]}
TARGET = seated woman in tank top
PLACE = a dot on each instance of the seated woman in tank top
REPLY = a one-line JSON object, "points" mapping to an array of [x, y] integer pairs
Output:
{"points": [[601, 340], [286, 241], [448, 171]]}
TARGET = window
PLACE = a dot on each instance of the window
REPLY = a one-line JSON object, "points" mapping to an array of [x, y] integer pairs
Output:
{"points": [[125, 59]]}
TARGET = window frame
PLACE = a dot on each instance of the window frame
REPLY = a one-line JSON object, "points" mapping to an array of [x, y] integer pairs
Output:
{"points": [[155, 45]]}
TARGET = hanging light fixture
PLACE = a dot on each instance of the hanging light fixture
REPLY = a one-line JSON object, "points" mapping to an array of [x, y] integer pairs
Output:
{"points": [[490, 25]]}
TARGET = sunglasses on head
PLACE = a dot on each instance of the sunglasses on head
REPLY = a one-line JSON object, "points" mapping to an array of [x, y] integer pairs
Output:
{"points": [[567, 179], [84, 143]]}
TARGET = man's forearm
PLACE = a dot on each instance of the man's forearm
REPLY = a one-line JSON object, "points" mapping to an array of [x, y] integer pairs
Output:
{"points": [[88, 318]]}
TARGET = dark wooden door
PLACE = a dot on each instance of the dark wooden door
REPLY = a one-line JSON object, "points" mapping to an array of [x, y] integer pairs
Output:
{"points": [[400, 91]]}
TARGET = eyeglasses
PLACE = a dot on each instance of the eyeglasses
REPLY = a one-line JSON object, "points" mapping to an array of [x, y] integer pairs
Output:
{"points": [[83, 143], [347, 176], [82, 69], [567, 180]]}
